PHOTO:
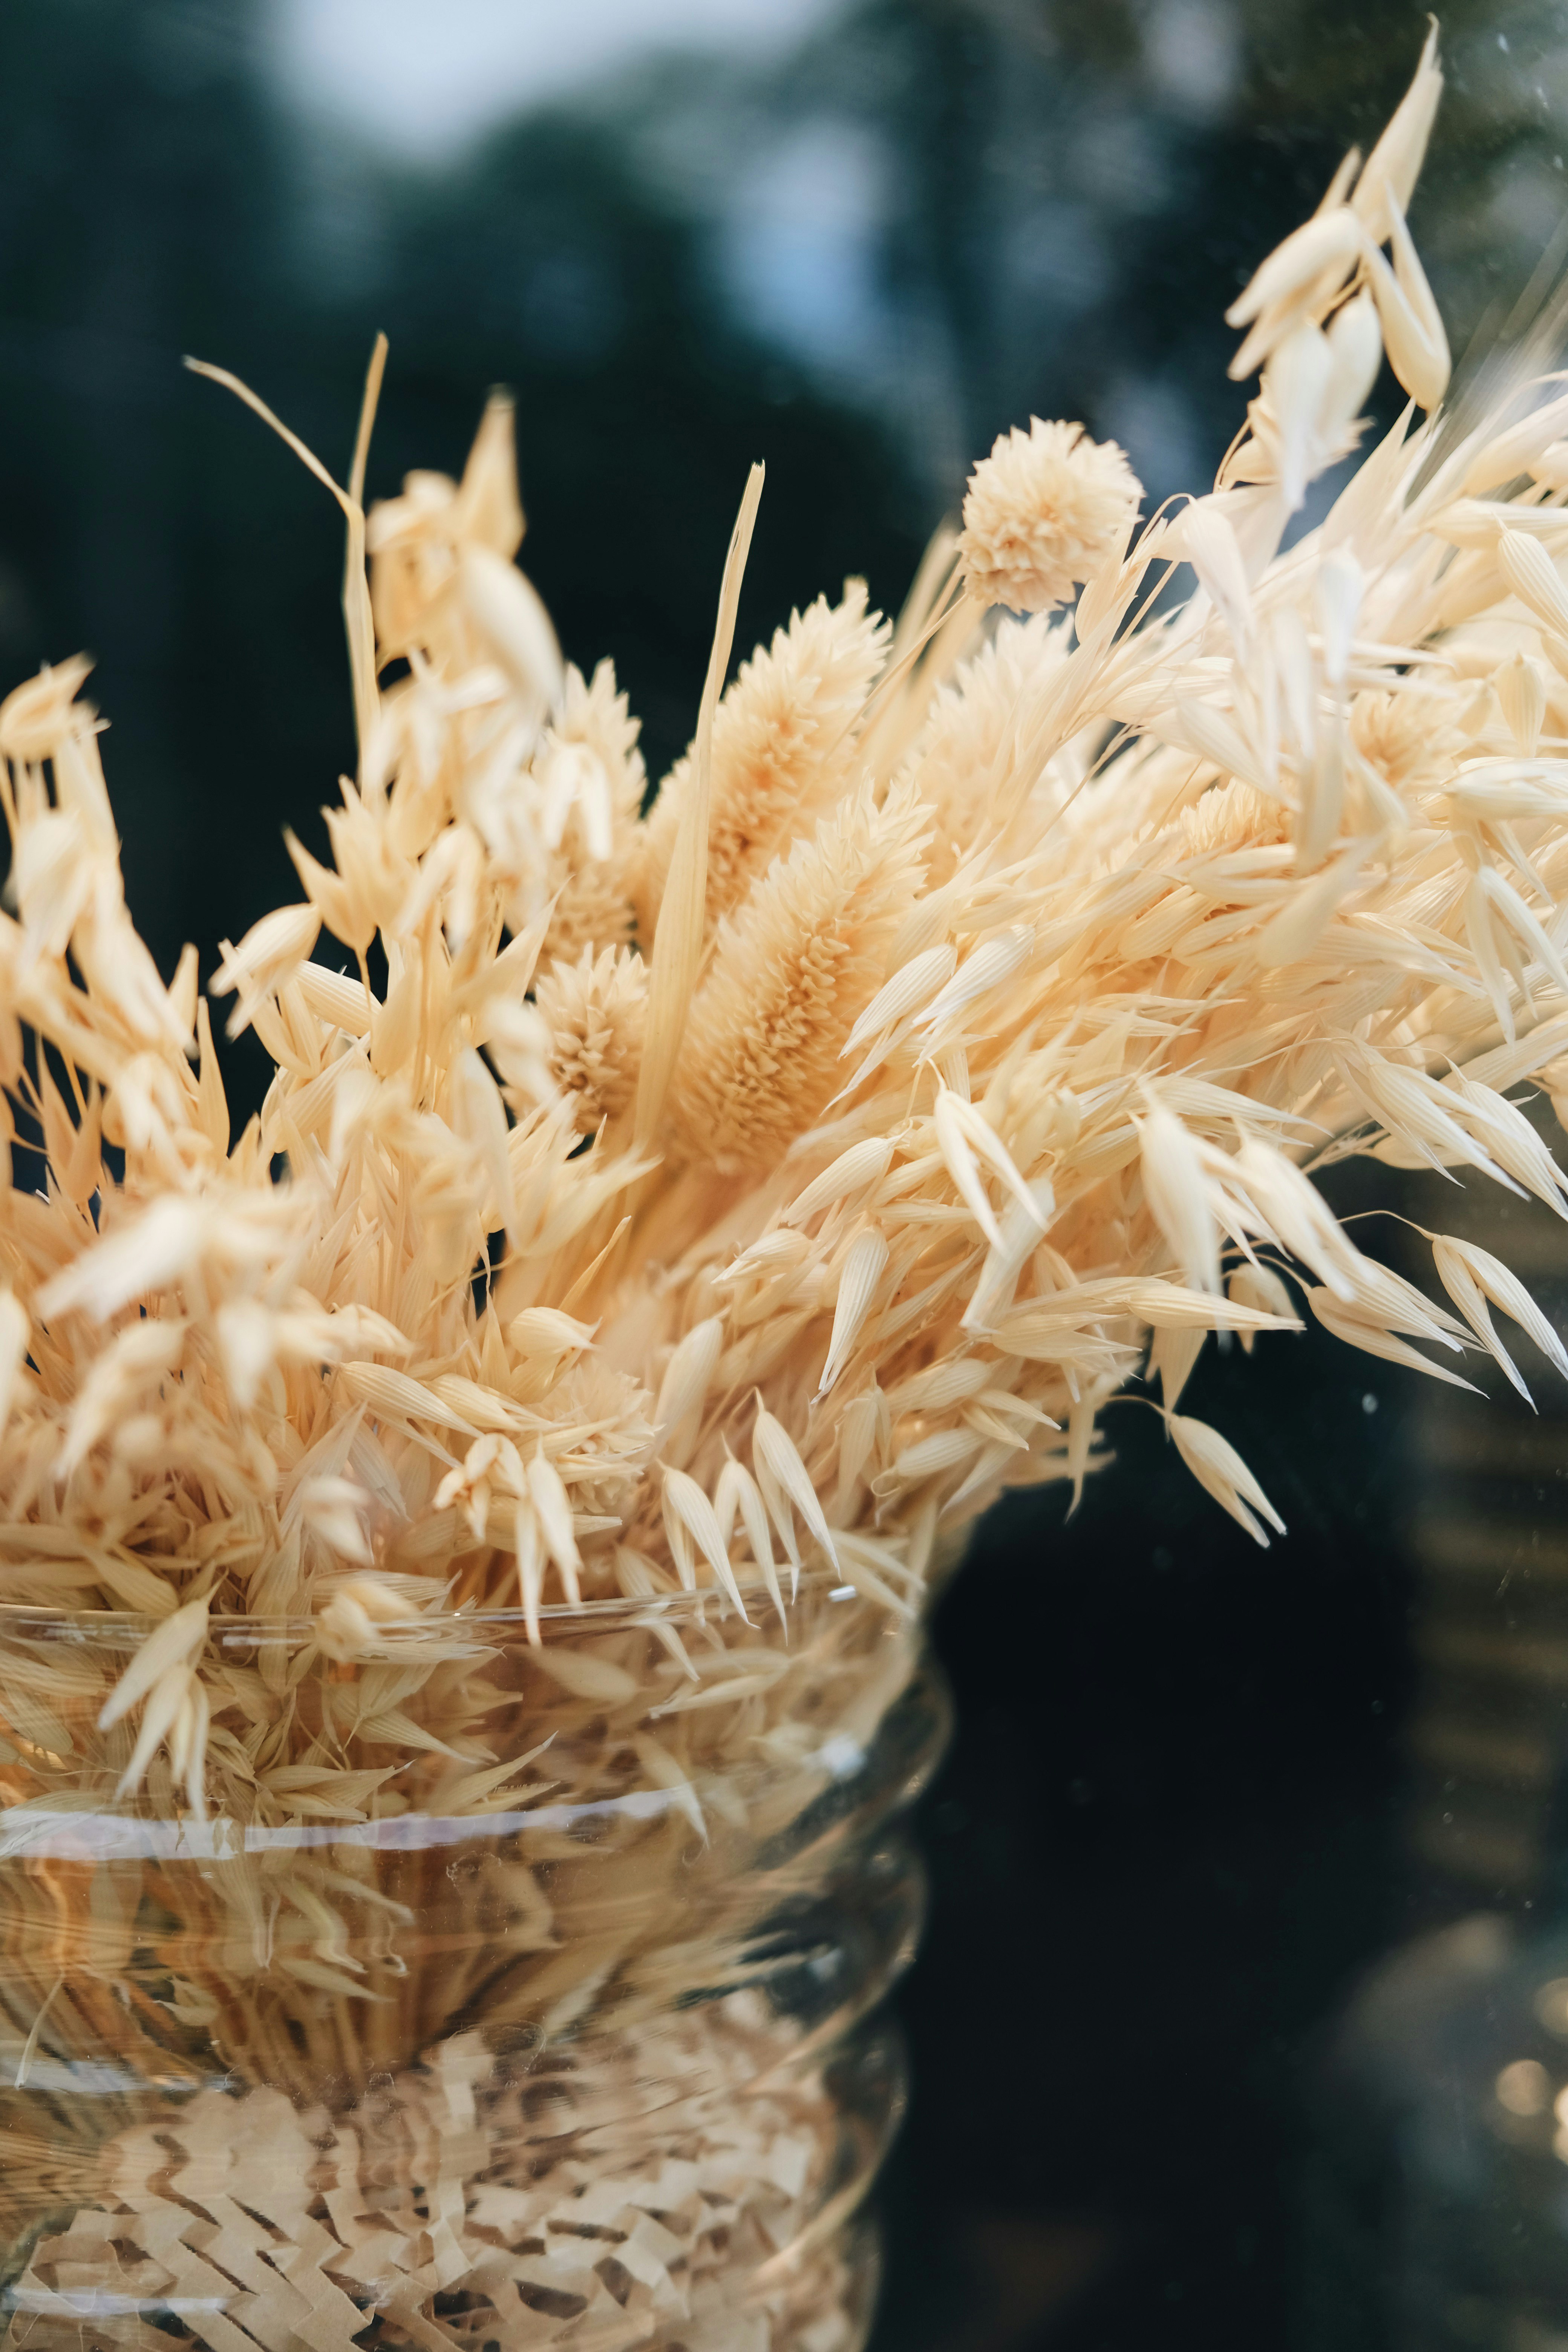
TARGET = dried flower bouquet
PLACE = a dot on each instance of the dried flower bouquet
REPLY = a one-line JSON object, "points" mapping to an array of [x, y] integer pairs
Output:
{"points": [[735, 1198]]}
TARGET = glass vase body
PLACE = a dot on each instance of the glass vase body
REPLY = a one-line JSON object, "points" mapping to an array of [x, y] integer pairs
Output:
{"points": [[563, 2035]]}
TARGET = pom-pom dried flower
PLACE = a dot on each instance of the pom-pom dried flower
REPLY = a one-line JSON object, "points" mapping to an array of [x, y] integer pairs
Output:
{"points": [[1048, 509]]}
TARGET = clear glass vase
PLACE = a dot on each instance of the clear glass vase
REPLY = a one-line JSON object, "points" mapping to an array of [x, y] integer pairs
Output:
{"points": [[566, 2034]]}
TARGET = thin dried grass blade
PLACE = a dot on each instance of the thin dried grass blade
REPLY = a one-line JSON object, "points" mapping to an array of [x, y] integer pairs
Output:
{"points": [[677, 943], [358, 619]]}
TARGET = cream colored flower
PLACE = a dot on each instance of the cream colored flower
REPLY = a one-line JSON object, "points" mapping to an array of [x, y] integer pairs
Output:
{"points": [[1048, 509]]}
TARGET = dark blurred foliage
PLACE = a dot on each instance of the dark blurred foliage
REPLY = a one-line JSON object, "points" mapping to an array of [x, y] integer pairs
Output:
{"points": [[640, 410], [1167, 1836]]}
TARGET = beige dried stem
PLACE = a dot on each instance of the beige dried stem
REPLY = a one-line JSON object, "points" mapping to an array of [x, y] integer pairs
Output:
{"points": [[678, 946], [357, 618]]}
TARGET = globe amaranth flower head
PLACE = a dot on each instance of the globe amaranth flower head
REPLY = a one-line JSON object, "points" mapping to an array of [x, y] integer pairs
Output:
{"points": [[1047, 510]]}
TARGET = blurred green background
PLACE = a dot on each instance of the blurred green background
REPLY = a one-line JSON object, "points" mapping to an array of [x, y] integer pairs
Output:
{"points": [[856, 241]]}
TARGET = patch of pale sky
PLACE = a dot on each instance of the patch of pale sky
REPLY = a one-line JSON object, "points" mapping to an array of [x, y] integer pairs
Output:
{"points": [[425, 79]]}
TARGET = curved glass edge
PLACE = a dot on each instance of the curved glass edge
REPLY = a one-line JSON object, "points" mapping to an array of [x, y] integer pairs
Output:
{"points": [[119, 1628], [38, 1833]]}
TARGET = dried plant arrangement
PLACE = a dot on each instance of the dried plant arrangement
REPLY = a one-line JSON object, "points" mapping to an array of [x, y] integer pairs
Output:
{"points": [[727, 1201]]}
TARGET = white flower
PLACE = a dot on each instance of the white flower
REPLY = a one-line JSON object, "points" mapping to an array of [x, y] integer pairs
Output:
{"points": [[1046, 510]]}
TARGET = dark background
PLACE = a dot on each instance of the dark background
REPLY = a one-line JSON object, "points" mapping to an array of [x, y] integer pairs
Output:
{"points": [[1171, 1827]]}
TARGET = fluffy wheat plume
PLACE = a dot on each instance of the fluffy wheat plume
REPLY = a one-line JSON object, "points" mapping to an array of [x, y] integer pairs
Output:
{"points": [[736, 1198]]}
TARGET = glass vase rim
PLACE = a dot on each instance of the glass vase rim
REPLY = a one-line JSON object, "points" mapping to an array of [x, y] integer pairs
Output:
{"points": [[686, 1605]]}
